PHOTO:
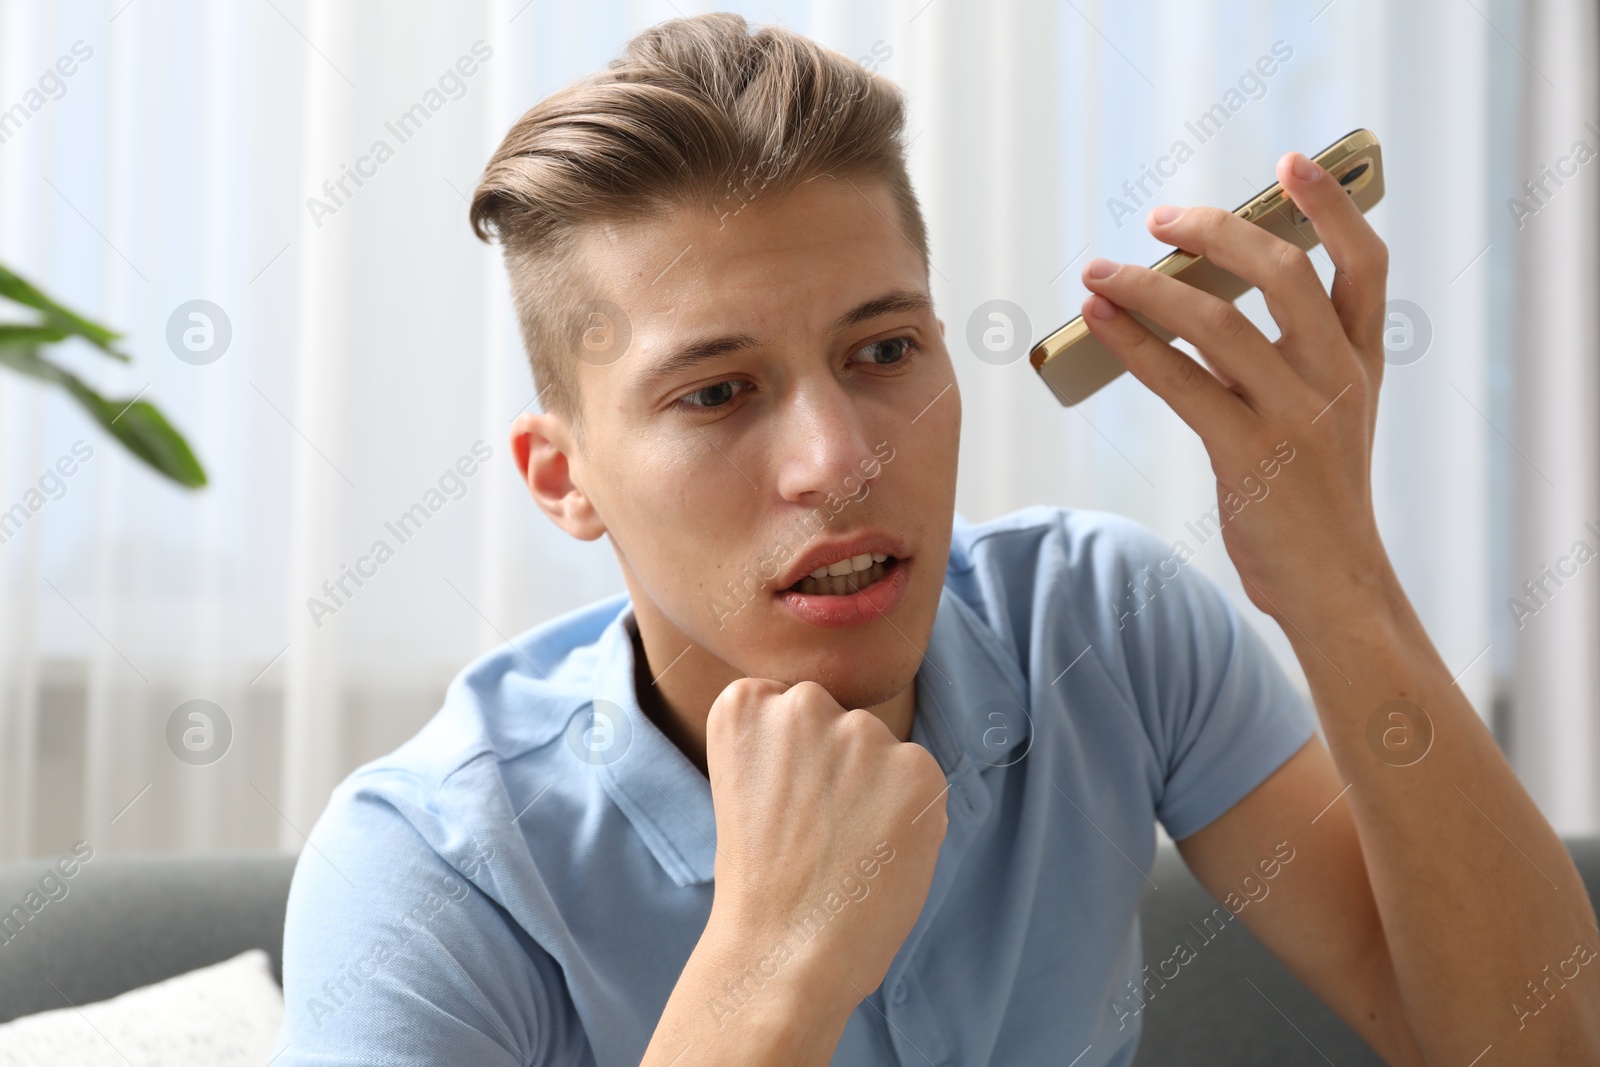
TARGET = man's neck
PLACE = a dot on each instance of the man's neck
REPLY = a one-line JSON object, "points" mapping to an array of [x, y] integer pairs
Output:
{"points": [[676, 695], [686, 730]]}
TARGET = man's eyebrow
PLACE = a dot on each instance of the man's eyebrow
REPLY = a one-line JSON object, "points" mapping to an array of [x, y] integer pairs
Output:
{"points": [[696, 352], [893, 302], [706, 349]]}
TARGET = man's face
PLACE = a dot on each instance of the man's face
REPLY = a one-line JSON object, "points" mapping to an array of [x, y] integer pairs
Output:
{"points": [[785, 392]]}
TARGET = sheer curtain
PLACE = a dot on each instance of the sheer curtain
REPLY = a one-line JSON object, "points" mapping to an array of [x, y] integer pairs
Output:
{"points": [[229, 154], [1555, 499]]}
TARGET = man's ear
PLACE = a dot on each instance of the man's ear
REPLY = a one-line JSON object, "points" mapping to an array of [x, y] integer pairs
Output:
{"points": [[542, 444]]}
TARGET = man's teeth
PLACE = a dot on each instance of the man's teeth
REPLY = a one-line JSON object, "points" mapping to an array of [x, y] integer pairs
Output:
{"points": [[844, 577], [847, 566]]}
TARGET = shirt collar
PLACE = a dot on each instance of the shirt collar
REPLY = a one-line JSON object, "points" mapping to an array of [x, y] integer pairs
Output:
{"points": [[665, 797], [970, 716], [971, 694]]}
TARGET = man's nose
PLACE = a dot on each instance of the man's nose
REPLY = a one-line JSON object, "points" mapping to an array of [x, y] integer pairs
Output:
{"points": [[822, 446]]}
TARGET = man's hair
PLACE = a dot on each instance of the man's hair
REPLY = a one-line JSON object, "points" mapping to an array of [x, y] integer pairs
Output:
{"points": [[695, 112]]}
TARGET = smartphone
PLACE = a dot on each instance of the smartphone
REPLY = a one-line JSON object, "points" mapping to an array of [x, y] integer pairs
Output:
{"points": [[1074, 364]]}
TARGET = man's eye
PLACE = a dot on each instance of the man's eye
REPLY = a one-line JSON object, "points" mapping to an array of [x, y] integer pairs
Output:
{"points": [[889, 351], [711, 396]]}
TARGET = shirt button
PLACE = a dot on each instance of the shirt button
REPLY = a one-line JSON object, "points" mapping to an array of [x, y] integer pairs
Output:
{"points": [[897, 995]]}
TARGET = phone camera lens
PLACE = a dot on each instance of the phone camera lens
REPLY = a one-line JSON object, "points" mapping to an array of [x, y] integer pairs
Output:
{"points": [[1353, 173]]}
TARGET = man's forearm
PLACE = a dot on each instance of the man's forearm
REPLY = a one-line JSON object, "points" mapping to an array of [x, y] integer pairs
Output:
{"points": [[722, 1012], [1489, 928]]}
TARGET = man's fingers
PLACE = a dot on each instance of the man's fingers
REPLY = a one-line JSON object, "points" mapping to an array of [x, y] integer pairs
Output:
{"points": [[1227, 339], [1209, 408], [1282, 271], [1360, 257]]}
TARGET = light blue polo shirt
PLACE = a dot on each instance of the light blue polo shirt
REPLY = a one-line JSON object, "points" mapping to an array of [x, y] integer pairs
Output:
{"points": [[523, 881]]}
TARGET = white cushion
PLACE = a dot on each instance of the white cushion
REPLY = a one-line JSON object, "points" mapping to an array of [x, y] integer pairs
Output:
{"points": [[228, 1013]]}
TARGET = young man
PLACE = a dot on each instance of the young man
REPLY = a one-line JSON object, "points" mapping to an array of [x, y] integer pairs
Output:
{"points": [[844, 778]]}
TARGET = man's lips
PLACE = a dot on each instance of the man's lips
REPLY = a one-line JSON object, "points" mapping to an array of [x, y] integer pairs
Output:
{"points": [[863, 571], [863, 604], [842, 557]]}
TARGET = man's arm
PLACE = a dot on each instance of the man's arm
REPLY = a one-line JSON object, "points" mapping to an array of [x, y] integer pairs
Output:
{"points": [[828, 829], [1438, 845], [798, 1017], [1444, 893], [1315, 913], [391, 955]]}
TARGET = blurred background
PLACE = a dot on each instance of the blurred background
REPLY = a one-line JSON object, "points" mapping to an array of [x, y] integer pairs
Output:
{"points": [[332, 354]]}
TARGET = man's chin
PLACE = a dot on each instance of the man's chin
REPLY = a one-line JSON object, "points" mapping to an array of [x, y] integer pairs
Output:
{"points": [[851, 689], [860, 667]]}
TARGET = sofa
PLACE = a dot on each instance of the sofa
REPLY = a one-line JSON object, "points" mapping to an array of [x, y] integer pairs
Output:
{"points": [[130, 922]]}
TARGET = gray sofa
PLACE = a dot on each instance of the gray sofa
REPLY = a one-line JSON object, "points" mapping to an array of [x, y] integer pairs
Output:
{"points": [[125, 923]]}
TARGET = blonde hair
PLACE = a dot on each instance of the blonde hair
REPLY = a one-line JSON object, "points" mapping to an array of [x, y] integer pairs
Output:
{"points": [[695, 112]]}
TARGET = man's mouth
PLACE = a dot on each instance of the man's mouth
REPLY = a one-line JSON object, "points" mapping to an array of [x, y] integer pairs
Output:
{"points": [[846, 576]]}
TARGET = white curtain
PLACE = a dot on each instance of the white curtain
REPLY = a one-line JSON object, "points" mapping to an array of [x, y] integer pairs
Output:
{"points": [[204, 152], [1555, 499]]}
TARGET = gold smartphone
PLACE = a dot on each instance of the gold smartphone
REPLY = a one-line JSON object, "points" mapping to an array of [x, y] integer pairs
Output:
{"points": [[1074, 364]]}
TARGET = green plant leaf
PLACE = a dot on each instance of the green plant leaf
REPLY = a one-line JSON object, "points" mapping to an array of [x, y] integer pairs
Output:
{"points": [[145, 432], [139, 425], [14, 288], [24, 358], [24, 335]]}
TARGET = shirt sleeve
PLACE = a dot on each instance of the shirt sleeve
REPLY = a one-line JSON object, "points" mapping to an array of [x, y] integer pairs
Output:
{"points": [[393, 956], [1221, 713]]}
